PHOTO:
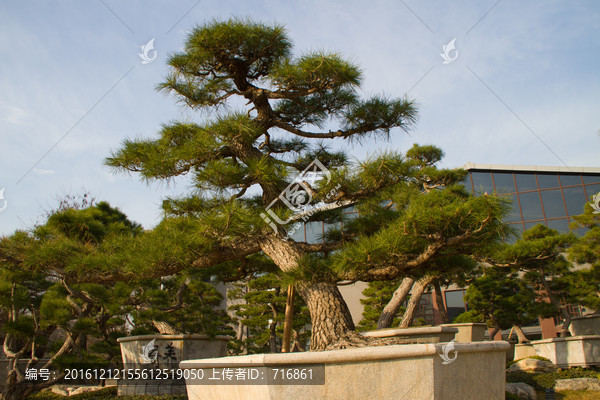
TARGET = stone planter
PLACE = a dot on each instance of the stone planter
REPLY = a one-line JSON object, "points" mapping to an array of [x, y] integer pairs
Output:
{"points": [[469, 331], [138, 352], [574, 351], [427, 334], [524, 350], [588, 325], [413, 371]]}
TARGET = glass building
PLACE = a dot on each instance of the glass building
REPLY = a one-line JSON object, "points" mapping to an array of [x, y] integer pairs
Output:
{"points": [[539, 195]]}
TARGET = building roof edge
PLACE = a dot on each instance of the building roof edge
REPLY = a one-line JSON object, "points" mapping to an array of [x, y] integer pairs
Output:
{"points": [[531, 168]]}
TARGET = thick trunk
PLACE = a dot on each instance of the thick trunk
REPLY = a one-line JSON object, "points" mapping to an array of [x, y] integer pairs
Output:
{"points": [[391, 309], [415, 298], [330, 316], [164, 328], [440, 302], [520, 334]]}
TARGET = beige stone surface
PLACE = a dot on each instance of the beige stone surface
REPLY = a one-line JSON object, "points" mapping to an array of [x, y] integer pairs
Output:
{"points": [[588, 325], [521, 390], [435, 334], [524, 350], [469, 331], [577, 384], [532, 365], [387, 372], [573, 351], [186, 347]]}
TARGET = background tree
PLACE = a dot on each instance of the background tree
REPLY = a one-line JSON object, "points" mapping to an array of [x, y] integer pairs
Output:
{"points": [[38, 299], [585, 282], [178, 304], [262, 313], [539, 254], [503, 300], [376, 296], [241, 161]]}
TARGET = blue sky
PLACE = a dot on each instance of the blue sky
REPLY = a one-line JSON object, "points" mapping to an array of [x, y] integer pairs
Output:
{"points": [[524, 88]]}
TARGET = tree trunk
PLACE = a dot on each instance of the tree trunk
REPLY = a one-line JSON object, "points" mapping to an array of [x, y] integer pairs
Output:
{"points": [[440, 302], [415, 298], [289, 315], [298, 345], [329, 313], [494, 332], [391, 309], [522, 338], [164, 328], [273, 337], [13, 389]]}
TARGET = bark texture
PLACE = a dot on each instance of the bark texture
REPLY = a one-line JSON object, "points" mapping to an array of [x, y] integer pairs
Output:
{"points": [[415, 298], [520, 334], [329, 313], [440, 302], [391, 309]]}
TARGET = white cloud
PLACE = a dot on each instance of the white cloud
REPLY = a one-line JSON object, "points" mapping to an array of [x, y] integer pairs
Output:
{"points": [[14, 115], [41, 171]]}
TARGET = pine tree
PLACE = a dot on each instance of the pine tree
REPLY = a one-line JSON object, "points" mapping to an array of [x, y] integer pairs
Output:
{"points": [[249, 166], [38, 296], [539, 255], [503, 300], [586, 282], [262, 313]]}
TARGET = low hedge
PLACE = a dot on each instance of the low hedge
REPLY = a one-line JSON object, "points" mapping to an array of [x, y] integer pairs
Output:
{"points": [[103, 394]]}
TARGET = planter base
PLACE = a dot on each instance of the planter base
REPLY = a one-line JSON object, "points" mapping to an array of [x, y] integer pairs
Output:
{"points": [[574, 351], [426, 334], [415, 371], [168, 351]]}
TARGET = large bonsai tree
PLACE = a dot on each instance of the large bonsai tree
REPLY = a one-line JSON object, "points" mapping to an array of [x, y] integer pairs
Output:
{"points": [[268, 114]]}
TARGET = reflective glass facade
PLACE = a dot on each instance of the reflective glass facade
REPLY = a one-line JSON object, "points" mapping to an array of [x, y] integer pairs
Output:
{"points": [[549, 198]]}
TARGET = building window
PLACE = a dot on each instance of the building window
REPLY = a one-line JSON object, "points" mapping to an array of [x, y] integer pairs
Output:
{"points": [[526, 182], [570, 180], [482, 182], [575, 200], [548, 181], [504, 182], [531, 207], [455, 304], [554, 206]]}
